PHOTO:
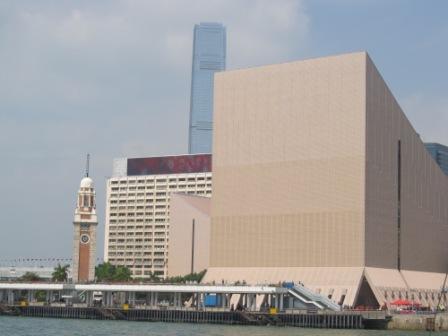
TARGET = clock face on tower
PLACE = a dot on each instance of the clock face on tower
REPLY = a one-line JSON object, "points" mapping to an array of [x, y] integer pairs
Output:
{"points": [[85, 238]]}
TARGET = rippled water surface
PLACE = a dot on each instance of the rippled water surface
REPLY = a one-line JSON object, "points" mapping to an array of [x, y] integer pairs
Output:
{"points": [[26, 326]]}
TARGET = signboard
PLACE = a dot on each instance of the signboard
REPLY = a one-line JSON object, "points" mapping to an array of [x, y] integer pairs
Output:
{"points": [[179, 164]]}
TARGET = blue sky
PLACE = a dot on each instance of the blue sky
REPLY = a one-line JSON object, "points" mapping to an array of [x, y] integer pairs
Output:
{"points": [[113, 77]]}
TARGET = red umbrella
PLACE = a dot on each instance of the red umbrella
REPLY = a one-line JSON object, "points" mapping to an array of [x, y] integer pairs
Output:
{"points": [[403, 302]]}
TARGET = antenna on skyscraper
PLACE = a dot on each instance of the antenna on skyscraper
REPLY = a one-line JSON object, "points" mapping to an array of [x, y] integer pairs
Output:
{"points": [[87, 165]]}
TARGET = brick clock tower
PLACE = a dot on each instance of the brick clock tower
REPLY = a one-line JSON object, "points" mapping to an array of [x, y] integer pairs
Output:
{"points": [[84, 239]]}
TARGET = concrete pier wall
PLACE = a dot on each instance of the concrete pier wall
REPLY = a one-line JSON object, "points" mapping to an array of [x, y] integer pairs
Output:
{"points": [[418, 322]]}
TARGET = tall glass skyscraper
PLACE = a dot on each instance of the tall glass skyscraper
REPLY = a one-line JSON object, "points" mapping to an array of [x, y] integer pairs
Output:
{"points": [[209, 56], [440, 154]]}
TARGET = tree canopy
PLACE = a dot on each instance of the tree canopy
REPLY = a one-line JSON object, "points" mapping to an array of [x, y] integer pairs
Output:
{"points": [[192, 277], [30, 276], [108, 272]]}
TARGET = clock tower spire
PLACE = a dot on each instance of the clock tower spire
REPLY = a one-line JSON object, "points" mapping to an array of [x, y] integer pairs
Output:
{"points": [[85, 223]]}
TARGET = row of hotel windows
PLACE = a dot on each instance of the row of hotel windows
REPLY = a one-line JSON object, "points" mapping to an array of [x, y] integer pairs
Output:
{"points": [[148, 263], [140, 197], [131, 240], [131, 220], [119, 231], [160, 236], [138, 233], [131, 204], [141, 247], [148, 195], [139, 219], [146, 220], [148, 273], [131, 214], [122, 208], [161, 180], [138, 207], [140, 262], [122, 234], [132, 208], [136, 247], [146, 228], [138, 255], [157, 240], [157, 258], [173, 186]]}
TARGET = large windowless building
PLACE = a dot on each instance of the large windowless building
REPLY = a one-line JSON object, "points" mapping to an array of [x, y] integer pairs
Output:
{"points": [[319, 177], [138, 208], [209, 56]]}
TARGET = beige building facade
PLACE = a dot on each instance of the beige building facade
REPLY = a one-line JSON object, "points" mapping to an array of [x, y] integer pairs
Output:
{"points": [[317, 170], [189, 248]]}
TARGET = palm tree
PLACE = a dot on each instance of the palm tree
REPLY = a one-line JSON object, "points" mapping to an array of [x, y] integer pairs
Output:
{"points": [[60, 273]]}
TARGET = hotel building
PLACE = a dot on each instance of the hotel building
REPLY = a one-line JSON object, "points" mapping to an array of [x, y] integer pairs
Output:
{"points": [[138, 208]]}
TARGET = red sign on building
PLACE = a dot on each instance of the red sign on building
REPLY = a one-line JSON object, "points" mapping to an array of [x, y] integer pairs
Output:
{"points": [[170, 165]]}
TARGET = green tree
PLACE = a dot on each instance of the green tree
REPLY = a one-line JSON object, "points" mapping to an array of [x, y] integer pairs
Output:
{"points": [[60, 273], [104, 272], [108, 272], [30, 276], [122, 273], [40, 295], [197, 277]]}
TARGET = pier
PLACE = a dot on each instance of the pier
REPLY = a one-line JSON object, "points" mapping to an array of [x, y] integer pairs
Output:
{"points": [[194, 303], [351, 320]]}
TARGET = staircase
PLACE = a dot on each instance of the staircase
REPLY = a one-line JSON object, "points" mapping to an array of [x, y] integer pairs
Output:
{"points": [[118, 314], [106, 314], [249, 319], [311, 299]]}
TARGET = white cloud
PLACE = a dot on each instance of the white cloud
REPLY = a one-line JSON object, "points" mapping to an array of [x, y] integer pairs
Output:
{"points": [[112, 78], [72, 52]]}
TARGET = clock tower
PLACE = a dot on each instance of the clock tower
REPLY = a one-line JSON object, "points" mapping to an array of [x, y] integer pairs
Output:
{"points": [[84, 239]]}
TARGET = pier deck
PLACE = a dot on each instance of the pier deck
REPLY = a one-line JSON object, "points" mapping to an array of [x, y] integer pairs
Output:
{"points": [[340, 320]]}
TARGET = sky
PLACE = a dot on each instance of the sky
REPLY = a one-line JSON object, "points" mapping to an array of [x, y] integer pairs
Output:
{"points": [[112, 78]]}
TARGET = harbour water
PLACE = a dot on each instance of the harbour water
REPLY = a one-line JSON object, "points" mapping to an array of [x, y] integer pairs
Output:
{"points": [[26, 326]]}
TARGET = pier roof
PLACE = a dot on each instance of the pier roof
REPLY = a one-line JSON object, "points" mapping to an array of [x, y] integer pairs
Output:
{"points": [[147, 288]]}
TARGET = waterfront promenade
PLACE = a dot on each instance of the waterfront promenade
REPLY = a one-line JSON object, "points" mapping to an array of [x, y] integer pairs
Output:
{"points": [[197, 303], [329, 320], [192, 303]]}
